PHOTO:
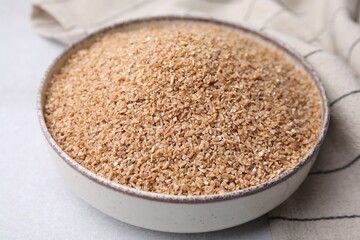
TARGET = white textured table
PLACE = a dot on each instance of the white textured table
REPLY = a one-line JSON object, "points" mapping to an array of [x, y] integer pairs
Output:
{"points": [[34, 202]]}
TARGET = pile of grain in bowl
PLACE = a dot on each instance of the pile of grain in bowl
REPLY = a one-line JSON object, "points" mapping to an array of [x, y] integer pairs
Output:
{"points": [[183, 108]]}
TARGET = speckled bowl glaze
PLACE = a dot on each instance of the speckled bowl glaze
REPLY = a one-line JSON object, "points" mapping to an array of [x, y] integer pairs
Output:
{"points": [[172, 213]]}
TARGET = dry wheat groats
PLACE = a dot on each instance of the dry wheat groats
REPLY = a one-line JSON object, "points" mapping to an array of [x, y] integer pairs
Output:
{"points": [[183, 108]]}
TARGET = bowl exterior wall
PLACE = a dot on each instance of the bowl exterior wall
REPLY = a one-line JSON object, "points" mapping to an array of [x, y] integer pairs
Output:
{"points": [[179, 217]]}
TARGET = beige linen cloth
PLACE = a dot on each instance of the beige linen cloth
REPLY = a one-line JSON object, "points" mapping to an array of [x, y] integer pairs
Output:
{"points": [[325, 32]]}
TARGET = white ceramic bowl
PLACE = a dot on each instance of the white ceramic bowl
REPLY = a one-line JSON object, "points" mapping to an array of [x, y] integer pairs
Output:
{"points": [[172, 213]]}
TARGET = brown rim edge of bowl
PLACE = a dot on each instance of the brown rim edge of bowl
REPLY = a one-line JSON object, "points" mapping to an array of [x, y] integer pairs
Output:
{"points": [[182, 198]]}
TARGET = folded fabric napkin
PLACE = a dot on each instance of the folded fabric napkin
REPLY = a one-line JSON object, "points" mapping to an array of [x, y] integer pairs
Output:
{"points": [[325, 32]]}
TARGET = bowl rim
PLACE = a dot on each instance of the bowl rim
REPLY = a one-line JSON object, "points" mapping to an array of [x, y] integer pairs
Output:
{"points": [[187, 199]]}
